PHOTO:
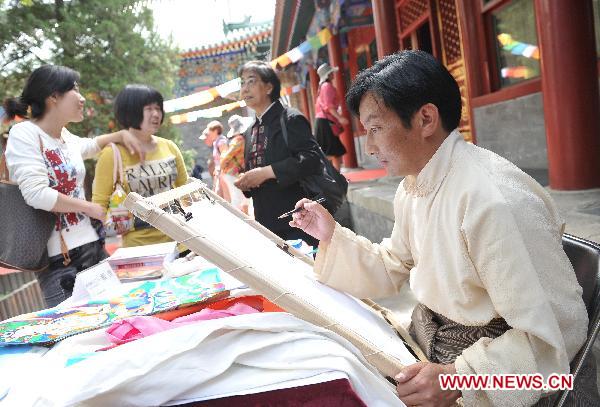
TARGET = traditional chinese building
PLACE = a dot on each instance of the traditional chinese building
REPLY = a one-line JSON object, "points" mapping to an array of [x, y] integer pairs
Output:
{"points": [[527, 70], [206, 67]]}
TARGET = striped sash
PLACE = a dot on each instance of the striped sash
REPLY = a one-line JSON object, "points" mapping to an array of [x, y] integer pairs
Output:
{"points": [[443, 340]]}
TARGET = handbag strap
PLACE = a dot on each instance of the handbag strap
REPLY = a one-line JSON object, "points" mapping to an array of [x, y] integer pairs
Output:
{"points": [[4, 174], [283, 128], [285, 137], [118, 175], [64, 249]]}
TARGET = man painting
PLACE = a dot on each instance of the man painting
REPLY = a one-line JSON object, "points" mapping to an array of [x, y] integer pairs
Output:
{"points": [[479, 240]]}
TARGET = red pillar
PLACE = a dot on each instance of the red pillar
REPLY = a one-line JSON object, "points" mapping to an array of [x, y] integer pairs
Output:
{"points": [[570, 90], [304, 106], [347, 137], [314, 84], [386, 31]]}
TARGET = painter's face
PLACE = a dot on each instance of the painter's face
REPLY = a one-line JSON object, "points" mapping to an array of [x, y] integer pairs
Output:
{"points": [[395, 147], [70, 105], [254, 91], [151, 119]]}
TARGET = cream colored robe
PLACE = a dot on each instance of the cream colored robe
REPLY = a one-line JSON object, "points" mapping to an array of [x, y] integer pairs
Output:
{"points": [[478, 239]]}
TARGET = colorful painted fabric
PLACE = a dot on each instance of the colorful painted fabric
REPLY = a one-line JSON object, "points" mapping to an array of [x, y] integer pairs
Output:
{"points": [[232, 160], [52, 325]]}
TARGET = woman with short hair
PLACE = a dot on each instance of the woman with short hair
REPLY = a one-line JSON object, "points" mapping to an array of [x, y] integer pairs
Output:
{"points": [[273, 166], [46, 160], [139, 108]]}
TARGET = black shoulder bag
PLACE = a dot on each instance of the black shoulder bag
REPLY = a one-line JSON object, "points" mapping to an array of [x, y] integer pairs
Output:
{"points": [[24, 230], [328, 184]]}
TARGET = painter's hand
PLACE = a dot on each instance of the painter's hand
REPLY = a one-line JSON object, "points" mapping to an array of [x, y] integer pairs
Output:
{"points": [[314, 219], [419, 385]]}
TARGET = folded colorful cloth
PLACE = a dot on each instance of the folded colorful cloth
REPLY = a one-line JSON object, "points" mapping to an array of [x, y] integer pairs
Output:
{"points": [[130, 329]]}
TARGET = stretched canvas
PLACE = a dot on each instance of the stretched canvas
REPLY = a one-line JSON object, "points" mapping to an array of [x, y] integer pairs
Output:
{"points": [[193, 215]]}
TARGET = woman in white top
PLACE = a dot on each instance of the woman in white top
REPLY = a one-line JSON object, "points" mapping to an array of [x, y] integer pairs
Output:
{"points": [[46, 161]]}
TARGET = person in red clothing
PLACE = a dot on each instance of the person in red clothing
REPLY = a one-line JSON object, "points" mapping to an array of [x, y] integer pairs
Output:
{"points": [[329, 121]]}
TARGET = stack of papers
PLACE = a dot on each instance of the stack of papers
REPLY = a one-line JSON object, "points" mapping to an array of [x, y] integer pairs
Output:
{"points": [[142, 262]]}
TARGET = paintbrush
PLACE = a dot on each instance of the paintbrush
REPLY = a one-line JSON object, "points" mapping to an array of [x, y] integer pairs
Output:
{"points": [[320, 200]]}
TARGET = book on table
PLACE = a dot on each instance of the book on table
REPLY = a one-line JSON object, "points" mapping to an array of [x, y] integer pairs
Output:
{"points": [[142, 262]]}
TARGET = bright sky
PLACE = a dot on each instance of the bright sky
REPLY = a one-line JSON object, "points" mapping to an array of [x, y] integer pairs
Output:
{"points": [[194, 23]]}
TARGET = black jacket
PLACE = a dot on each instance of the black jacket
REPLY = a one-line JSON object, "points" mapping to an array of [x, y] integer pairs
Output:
{"points": [[291, 162]]}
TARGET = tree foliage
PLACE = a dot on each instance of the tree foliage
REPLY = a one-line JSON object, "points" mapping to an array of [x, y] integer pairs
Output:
{"points": [[110, 42]]}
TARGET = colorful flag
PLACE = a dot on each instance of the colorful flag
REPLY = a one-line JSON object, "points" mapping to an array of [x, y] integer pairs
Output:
{"points": [[227, 88], [295, 55]]}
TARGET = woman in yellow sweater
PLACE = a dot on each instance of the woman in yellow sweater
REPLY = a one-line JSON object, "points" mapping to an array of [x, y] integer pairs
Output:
{"points": [[139, 108]]}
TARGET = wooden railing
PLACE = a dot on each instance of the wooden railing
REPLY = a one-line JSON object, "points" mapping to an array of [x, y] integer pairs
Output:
{"points": [[19, 294]]}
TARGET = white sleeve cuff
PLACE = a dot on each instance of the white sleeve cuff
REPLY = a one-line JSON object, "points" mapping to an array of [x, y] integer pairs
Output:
{"points": [[322, 265]]}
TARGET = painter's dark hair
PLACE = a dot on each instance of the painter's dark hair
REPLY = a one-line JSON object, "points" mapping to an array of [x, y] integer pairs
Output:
{"points": [[405, 81], [130, 103], [266, 74], [45, 81]]}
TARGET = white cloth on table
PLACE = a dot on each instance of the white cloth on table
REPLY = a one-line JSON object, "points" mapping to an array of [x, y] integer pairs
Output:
{"points": [[234, 355]]}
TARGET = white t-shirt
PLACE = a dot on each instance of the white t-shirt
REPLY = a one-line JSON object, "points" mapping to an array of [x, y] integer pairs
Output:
{"points": [[42, 176]]}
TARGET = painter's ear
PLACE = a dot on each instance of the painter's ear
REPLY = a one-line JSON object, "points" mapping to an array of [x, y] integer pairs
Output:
{"points": [[428, 119]]}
